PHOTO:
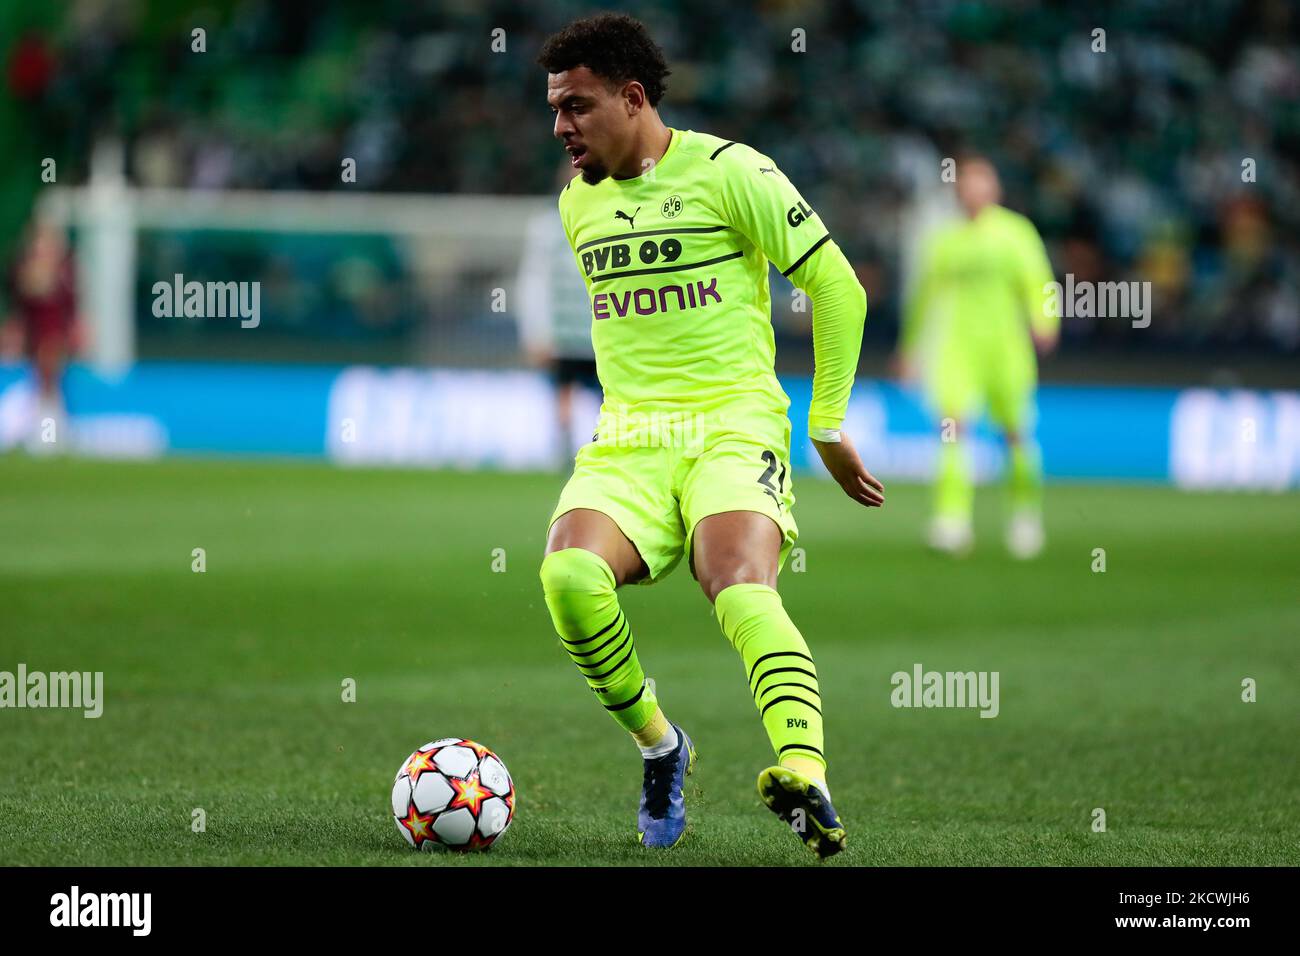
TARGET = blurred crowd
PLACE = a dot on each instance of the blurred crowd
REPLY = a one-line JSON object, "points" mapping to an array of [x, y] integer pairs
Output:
{"points": [[1165, 149]]}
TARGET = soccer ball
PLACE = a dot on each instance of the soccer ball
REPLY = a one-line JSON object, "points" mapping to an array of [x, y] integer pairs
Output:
{"points": [[453, 793]]}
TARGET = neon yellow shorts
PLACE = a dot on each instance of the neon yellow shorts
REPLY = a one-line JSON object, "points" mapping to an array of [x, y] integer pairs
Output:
{"points": [[963, 383], [658, 495]]}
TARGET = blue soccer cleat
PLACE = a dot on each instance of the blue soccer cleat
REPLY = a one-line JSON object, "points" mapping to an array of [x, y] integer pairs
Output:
{"points": [[802, 805], [661, 817]]}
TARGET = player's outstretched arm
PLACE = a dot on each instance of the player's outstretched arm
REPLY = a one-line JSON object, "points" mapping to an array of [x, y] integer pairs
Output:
{"points": [[758, 201], [1035, 275], [839, 313], [842, 461]]}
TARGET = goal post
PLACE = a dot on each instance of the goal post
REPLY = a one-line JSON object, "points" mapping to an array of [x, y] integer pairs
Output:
{"points": [[442, 267]]}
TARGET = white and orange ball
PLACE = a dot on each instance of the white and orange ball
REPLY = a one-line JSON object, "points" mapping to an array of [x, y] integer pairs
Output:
{"points": [[453, 793]]}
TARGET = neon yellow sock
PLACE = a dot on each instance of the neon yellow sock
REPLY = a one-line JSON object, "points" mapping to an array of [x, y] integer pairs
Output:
{"points": [[653, 731], [782, 677], [954, 489], [1025, 476], [580, 593], [807, 765]]}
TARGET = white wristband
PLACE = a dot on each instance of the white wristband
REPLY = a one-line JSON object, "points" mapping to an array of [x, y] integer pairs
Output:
{"points": [[824, 434]]}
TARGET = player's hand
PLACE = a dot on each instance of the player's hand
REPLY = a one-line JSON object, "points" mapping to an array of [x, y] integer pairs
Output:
{"points": [[1045, 344], [842, 461]]}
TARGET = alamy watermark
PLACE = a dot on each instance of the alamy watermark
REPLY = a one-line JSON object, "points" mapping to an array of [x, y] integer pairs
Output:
{"points": [[179, 299], [81, 690], [1099, 300], [922, 688], [624, 428], [75, 908]]}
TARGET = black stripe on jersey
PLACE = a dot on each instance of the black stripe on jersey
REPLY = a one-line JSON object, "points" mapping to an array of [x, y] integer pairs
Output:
{"points": [[673, 268], [776, 700], [651, 232], [803, 258], [720, 149]]}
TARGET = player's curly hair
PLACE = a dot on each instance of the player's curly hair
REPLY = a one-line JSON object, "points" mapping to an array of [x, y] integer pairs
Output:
{"points": [[614, 46]]}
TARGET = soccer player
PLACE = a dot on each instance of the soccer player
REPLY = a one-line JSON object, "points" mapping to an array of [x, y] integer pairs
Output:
{"points": [[974, 319], [672, 231]]}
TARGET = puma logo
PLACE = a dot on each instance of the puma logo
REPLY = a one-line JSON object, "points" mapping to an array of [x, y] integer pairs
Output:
{"points": [[766, 169], [631, 220]]}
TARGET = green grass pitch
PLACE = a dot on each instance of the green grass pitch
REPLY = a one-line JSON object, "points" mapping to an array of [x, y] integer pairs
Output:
{"points": [[1120, 690]]}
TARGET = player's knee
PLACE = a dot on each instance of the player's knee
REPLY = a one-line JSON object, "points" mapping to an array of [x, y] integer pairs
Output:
{"points": [[577, 585], [740, 571], [574, 576]]}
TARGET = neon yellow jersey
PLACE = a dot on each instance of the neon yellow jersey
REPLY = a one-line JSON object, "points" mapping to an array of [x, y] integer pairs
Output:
{"points": [[676, 266], [981, 287]]}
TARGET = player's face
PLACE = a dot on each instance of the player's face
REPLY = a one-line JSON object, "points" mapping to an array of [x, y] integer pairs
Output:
{"points": [[977, 185], [591, 121]]}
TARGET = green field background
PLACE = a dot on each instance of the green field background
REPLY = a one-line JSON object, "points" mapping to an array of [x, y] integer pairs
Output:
{"points": [[1119, 690]]}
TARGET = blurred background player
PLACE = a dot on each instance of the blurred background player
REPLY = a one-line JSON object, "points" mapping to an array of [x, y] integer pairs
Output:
{"points": [[43, 324], [975, 319], [554, 316]]}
